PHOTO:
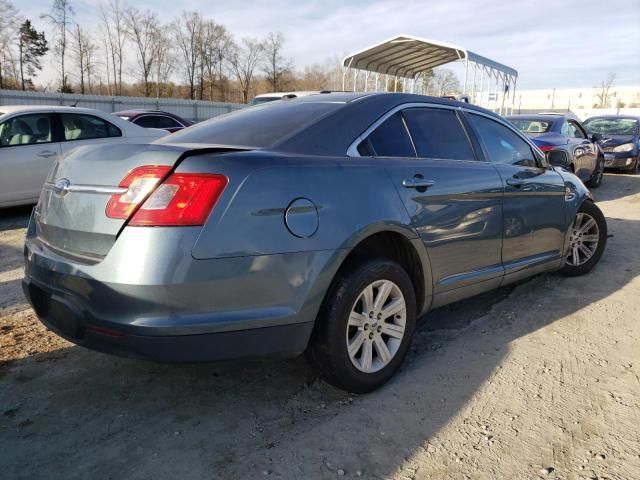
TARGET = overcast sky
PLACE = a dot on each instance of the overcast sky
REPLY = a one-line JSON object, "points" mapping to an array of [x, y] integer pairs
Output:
{"points": [[552, 43]]}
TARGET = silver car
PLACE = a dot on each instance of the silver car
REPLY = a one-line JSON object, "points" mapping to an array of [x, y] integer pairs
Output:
{"points": [[33, 137]]}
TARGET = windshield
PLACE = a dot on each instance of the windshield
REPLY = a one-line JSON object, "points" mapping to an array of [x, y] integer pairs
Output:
{"points": [[531, 125], [612, 126], [257, 127]]}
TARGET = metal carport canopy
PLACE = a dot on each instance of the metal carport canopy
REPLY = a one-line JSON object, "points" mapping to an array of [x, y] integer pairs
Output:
{"points": [[407, 55]]}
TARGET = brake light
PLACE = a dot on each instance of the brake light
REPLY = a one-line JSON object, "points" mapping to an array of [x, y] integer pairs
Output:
{"points": [[546, 148], [139, 183], [183, 199]]}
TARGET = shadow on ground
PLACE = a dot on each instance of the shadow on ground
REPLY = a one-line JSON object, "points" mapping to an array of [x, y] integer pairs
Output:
{"points": [[77, 414]]}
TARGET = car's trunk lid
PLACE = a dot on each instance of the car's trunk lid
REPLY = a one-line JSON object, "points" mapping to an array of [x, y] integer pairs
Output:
{"points": [[73, 220]]}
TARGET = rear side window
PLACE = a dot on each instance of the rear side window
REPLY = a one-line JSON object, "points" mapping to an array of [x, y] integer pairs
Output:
{"points": [[390, 139], [438, 134], [502, 145], [85, 127], [156, 121]]}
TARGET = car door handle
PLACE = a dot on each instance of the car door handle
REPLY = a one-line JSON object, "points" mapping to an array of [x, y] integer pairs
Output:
{"points": [[47, 154], [515, 182], [417, 183]]}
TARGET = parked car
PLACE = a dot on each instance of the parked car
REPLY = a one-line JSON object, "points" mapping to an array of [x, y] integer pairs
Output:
{"points": [[33, 137], [272, 97], [553, 131], [619, 139], [327, 224], [155, 119]]}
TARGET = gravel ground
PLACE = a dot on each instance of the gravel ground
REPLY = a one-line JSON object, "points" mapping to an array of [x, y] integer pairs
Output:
{"points": [[540, 380]]}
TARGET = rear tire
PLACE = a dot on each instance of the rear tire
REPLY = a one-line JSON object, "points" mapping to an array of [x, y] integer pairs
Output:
{"points": [[365, 326], [587, 242], [596, 178]]}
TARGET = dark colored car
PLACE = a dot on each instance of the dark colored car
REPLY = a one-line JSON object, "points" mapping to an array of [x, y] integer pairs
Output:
{"points": [[327, 224], [564, 132], [619, 139], [155, 119]]}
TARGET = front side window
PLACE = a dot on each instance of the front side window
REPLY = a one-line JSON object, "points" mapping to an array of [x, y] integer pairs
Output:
{"points": [[437, 133], [84, 127], [156, 121], [26, 130], [501, 144], [389, 139]]}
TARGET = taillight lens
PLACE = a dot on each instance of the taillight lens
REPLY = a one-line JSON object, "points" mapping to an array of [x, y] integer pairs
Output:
{"points": [[546, 148], [183, 199], [139, 183]]}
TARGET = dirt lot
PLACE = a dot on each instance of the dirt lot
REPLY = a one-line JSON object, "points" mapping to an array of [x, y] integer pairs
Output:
{"points": [[537, 380]]}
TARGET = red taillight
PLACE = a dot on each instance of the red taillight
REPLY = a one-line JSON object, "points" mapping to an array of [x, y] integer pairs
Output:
{"points": [[182, 199], [546, 148], [139, 183]]}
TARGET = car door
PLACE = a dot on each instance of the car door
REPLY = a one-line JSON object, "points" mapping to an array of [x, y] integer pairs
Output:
{"points": [[453, 200], [584, 150], [534, 198], [83, 129], [28, 148]]}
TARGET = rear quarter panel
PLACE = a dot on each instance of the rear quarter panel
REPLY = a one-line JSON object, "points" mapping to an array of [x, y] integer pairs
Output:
{"points": [[352, 198]]}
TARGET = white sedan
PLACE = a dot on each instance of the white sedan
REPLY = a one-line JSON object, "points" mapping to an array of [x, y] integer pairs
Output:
{"points": [[32, 137]]}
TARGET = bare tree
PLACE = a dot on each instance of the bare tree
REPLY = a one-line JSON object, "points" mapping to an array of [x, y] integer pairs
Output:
{"points": [[216, 42], [142, 27], [164, 60], [443, 82], [275, 66], [83, 50], [244, 61], [9, 22], [604, 94], [115, 36], [188, 30], [60, 16]]}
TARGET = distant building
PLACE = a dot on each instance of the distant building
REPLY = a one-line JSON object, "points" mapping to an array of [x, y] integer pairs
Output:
{"points": [[576, 98]]}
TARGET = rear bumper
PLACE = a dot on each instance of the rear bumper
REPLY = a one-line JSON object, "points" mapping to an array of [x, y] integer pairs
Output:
{"points": [[60, 315], [182, 309]]}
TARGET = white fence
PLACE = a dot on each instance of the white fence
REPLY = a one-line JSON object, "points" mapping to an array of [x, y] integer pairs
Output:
{"points": [[196, 110]]}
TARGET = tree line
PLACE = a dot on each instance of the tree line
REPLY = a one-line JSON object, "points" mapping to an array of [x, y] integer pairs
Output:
{"points": [[189, 57], [132, 52]]}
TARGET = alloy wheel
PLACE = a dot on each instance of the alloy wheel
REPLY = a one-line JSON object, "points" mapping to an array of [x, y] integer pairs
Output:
{"points": [[584, 239], [376, 326]]}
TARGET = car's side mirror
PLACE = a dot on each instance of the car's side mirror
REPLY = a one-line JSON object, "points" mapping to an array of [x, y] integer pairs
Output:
{"points": [[595, 137], [558, 158]]}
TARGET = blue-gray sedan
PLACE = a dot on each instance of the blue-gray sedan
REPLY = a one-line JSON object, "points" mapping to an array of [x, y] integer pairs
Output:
{"points": [[325, 224]]}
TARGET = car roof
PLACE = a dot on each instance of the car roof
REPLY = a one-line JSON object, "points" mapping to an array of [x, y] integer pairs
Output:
{"points": [[142, 110], [540, 117], [48, 108], [302, 93]]}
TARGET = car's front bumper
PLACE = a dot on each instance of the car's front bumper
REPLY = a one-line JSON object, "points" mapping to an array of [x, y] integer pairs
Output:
{"points": [[619, 160], [178, 309]]}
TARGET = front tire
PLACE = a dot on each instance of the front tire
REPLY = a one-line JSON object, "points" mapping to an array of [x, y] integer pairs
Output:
{"points": [[587, 241], [365, 326], [596, 178]]}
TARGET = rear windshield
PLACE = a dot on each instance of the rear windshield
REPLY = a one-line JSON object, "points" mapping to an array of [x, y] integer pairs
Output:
{"points": [[531, 125], [612, 126], [257, 127]]}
